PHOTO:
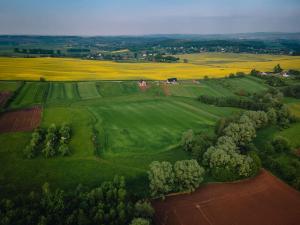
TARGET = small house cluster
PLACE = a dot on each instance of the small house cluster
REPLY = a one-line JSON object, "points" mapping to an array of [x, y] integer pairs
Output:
{"points": [[172, 80]]}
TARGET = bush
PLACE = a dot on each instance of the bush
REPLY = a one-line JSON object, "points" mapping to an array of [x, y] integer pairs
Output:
{"points": [[139, 221], [224, 173], [187, 140], [281, 144], [143, 209], [256, 163]]}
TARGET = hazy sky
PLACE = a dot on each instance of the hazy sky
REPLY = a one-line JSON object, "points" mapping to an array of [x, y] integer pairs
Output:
{"points": [[119, 17]]}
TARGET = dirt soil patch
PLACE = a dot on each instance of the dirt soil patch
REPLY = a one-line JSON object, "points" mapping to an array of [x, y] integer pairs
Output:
{"points": [[263, 200], [20, 120], [4, 96]]}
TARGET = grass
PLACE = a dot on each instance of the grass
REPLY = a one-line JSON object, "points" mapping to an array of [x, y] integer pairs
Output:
{"points": [[218, 87], [30, 94], [135, 128], [9, 86], [200, 65], [88, 90]]}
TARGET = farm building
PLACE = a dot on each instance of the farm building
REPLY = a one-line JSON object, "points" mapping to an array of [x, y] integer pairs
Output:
{"points": [[172, 80], [284, 74], [142, 83]]}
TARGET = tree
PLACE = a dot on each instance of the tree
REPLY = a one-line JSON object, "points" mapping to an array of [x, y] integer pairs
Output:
{"points": [[187, 140], [258, 118], [188, 175], [277, 69], [225, 162], [65, 133], [272, 116], [201, 143], [143, 209], [281, 144], [161, 177], [139, 221], [242, 133], [254, 72], [256, 163]]}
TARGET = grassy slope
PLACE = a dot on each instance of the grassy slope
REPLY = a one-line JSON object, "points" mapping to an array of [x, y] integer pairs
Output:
{"points": [[135, 127], [200, 65], [291, 133]]}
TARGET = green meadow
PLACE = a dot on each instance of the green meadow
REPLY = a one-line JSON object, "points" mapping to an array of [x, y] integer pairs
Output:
{"points": [[134, 128]]}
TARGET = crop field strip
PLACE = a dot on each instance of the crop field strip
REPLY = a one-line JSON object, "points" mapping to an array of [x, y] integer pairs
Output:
{"points": [[198, 66], [88, 90]]}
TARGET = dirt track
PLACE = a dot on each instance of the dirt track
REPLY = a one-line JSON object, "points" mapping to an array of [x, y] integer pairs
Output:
{"points": [[263, 200], [21, 120]]}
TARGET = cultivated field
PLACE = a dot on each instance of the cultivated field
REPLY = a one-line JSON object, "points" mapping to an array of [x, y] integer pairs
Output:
{"points": [[4, 96], [260, 200], [135, 127], [20, 120], [199, 65]]}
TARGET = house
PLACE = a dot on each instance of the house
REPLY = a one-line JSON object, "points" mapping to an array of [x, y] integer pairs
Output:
{"points": [[263, 73], [172, 80], [142, 83], [285, 74]]}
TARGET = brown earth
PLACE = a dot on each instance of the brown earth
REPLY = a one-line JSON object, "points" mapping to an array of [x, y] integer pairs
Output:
{"points": [[20, 120], [263, 200], [4, 96]]}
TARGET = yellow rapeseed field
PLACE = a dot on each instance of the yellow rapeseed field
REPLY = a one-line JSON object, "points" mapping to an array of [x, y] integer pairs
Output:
{"points": [[198, 66]]}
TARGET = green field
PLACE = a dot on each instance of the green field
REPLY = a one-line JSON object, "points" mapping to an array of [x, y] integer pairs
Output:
{"points": [[134, 127]]}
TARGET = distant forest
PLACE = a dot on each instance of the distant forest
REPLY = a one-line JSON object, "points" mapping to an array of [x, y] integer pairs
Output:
{"points": [[147, 48]]}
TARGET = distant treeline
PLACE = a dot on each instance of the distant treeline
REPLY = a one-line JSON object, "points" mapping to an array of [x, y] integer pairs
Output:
{"points": [[37, 51], [176, 44], [78, 50]]}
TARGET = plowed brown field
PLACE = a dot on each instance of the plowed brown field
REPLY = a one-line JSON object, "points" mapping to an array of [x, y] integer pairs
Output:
{"points": [[21, 120], [4, 96], [263, 200]]}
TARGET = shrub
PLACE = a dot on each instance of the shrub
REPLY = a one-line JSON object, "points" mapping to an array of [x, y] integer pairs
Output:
{"points": [[188, 175], [139, 221], [143, 209], [281, 144], [64, 150]]}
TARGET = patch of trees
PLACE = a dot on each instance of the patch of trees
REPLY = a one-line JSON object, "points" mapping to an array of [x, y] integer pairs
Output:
{"points": [[237, 75], [107, 204], [269, 102], [50, 142], [78, 50], [278, 157], [271, 80], [162, 58], [234, 101], [185, 175], [291, 91], [295, 73], [227, 155]]}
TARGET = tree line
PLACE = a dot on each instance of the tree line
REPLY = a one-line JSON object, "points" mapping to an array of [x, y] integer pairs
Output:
{"points": [[38, 51], [107, 204], [183, 176], [228, 154]]}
